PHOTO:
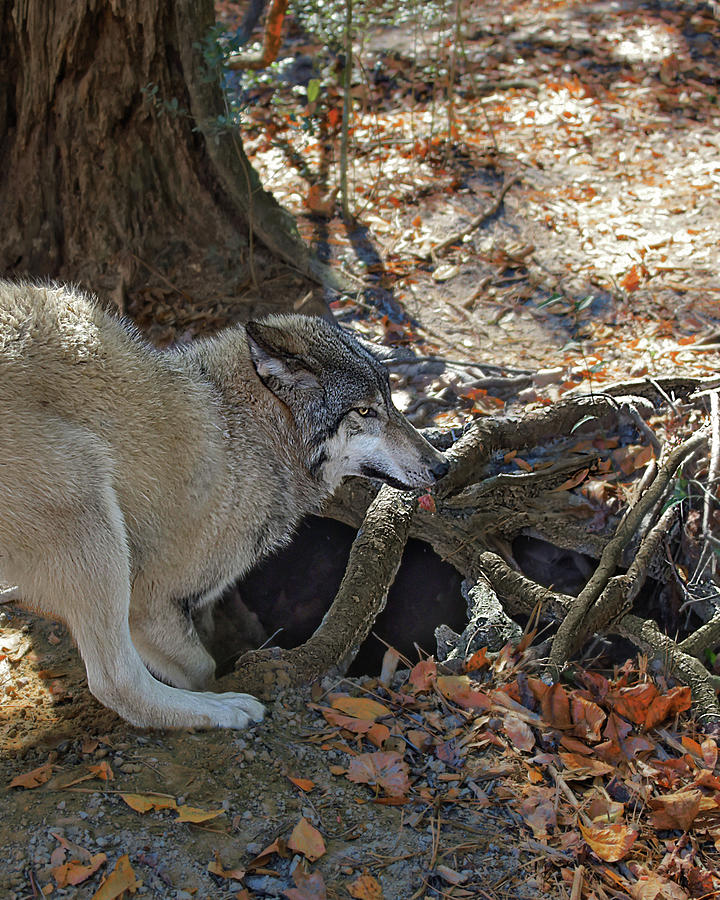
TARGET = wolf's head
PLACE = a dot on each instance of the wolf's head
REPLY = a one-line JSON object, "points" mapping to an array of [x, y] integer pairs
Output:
{"points": [[339, 396]]}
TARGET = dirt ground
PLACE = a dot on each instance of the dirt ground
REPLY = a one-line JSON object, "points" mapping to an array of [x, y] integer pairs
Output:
{"points": [[48, 716]]}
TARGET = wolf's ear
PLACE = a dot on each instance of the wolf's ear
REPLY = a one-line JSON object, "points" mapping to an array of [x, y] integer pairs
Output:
{"points": [[280, 359]]}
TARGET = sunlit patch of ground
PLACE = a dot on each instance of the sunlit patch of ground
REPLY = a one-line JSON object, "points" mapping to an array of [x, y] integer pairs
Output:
{"points": [[616, 134]]}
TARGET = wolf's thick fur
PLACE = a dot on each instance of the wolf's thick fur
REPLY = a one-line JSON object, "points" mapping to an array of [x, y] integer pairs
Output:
{"points": [[135, 485]]}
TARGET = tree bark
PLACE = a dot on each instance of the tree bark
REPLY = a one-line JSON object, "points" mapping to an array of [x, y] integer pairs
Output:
{"points": [[111, 153]]}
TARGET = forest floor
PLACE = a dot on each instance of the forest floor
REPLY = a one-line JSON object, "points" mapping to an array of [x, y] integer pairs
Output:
{"points": [[600, 264]]}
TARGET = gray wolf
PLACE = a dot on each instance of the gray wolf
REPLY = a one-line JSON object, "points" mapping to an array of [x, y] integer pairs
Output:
{"points": [[136, 484]]}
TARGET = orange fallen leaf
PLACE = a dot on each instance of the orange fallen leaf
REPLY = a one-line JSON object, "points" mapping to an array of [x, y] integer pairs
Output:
{"points": [[361, 707], [387, 770], [193, 814], [365, 887], [610, 842], [75, 872], [573, 481], [479, 660], [143, 803], [217, 868], [670, 703], [378, 734], [34, 778], [633, 702], [423, 674], [103, 771], [587, 717], [357, 726], [538, 811], [122, 878], [307, 840], [305, 784], [418, 738], [555, 706], [461, 690], [278, 846]]}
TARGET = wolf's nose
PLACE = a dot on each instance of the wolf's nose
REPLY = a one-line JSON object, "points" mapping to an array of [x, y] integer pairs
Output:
{"points": [[440, 470]]}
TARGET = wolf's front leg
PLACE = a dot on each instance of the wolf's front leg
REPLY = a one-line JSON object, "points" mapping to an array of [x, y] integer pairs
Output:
{"points": [[84, 577]]}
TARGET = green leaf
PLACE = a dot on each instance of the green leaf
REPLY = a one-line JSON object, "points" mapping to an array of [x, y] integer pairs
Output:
{"points": [[582, 422], [554, 298], [584, 303], [313, 90]]}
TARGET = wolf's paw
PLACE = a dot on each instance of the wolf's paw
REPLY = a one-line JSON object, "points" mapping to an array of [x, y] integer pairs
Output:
{"points": [[231, 710]]}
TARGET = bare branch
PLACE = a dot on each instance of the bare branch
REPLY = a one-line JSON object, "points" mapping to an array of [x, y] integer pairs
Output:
{"points": [[574, 629]]}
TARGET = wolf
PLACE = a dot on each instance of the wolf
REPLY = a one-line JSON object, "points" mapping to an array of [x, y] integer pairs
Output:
{"points": [[137, 484]]}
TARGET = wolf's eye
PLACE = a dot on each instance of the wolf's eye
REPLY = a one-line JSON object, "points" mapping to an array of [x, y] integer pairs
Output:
{"points": [[365, 411]]}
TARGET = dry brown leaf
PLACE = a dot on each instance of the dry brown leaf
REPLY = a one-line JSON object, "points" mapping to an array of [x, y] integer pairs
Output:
{"points": [[365, 887], [423, 674], [674, 701], [122, 878], [574, 480], [461, 690], [610, 842], [103, 771], [278, 846], [555, 706], [217, 868], [540, 814], [143, 803], [75, 872], [587, 717], [520, 733], [577, 766], [676, 810], [193, 814], [34, 778], [419, 739], [633, 702], [386, 770], [378, 734], [479, 660], [305, 784], [361, 707], [655, 887], [616, 729], [307, 840]]}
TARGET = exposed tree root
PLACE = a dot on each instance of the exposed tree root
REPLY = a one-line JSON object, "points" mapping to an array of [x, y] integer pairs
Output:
{"points": [[374, 560], [574, 629], [480, 509]]}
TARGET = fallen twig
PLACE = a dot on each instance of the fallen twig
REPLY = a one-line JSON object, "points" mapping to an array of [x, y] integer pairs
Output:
{"points": [[477, 221]]}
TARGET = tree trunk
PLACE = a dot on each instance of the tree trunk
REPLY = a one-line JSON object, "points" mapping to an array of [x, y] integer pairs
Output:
{"points": [[112, 156]]}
